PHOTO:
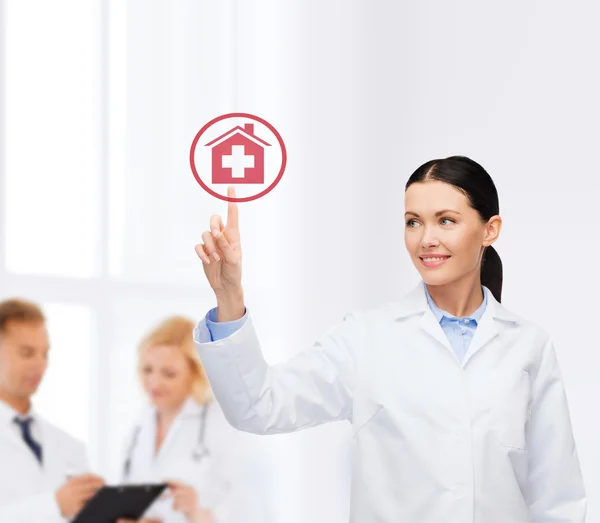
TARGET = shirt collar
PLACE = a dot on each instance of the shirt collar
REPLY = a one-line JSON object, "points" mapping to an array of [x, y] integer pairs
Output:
{"points": [[440, 314], [415, 302], [8, 414]]}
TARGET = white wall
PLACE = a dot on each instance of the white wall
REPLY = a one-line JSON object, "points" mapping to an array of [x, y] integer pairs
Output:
{"points": [[511, 85], [367, 92], [362, 93]]}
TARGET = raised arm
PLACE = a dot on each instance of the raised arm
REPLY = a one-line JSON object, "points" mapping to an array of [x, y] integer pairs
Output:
{"points": [[313, 387]]}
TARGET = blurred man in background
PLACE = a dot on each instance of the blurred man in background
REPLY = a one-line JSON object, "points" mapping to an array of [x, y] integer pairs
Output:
{"points": [[44, 473]]}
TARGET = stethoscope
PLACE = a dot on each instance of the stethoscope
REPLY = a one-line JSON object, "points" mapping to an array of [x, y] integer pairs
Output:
{"points": [[199, 452]]}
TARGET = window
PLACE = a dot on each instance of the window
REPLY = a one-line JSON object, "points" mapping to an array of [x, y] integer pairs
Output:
{"points": [[64, 398], [53, 137], [99, 211]]}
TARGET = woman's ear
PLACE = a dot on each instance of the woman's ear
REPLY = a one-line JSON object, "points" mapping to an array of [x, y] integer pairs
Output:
{"points": [[492, 230]]}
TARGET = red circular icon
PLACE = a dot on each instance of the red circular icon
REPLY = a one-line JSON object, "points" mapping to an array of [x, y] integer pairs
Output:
{"points": [[246, 116]]}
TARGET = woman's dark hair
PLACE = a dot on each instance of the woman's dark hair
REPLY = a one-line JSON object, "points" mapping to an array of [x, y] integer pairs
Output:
{"points": [[477, 185]]}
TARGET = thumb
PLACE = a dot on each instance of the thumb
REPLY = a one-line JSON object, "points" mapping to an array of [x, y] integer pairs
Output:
{"points": [[174, 484]]}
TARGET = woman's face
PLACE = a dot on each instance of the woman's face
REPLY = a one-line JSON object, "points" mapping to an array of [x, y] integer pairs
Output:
{"points": [[166, 376], [444, 235]]}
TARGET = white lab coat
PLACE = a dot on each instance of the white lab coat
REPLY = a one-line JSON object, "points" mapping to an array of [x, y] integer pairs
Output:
{"points": [[487, 440], [28, 490], [223, 479]]}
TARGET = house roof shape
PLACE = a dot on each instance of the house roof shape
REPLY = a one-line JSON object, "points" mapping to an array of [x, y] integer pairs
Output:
{"points": [[237, 129]]}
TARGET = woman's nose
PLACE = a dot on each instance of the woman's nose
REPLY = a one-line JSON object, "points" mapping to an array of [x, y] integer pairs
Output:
{"points": [[429, 239], [151, 382]]}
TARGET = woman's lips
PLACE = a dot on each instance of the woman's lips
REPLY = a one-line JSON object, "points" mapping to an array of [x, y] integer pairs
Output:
{"points": [[432, 261]]}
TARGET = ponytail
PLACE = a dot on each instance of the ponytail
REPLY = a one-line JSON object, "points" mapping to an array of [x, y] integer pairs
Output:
{"points": [[491, 272]]}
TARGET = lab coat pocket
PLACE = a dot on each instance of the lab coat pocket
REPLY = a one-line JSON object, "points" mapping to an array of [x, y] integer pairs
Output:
{"points": [[365, 407], [512, 411]]}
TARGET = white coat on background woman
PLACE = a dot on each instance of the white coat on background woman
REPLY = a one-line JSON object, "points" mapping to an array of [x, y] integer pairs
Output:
{"points": [[182, 438], [457, 404]]}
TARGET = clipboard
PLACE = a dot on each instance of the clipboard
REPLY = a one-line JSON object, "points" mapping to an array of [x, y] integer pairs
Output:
{"points": [[124, 501]]}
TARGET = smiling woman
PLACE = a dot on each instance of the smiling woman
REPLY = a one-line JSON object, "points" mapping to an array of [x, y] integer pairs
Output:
{"points": [[456, 403], [452, 219]]}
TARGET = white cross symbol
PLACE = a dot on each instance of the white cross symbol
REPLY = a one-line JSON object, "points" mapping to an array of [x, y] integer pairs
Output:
{"points": [[237, 161]]}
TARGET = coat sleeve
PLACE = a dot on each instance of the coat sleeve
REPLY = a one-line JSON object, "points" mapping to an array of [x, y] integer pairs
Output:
{"points": [[314, 387], [557, 491]]}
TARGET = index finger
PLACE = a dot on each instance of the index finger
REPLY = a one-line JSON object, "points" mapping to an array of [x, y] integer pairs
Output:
{"points": [[232, 210]]}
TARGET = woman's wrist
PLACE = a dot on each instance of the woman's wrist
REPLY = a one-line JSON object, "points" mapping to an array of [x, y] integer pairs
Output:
{"points": [[230, 306]]}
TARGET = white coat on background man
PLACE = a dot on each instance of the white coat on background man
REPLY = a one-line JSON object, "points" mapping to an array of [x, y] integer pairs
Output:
{"points": [[43, 471], [28, 490]]}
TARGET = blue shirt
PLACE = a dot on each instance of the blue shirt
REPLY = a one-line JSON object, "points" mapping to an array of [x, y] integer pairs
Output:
{"points": [[459, 331], [213, 330]]}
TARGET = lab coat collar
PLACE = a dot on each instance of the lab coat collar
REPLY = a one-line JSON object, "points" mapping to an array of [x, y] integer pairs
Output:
{"points": [[43, 436], [415, 302], [191, 409], [488, 328], [8, 414]]}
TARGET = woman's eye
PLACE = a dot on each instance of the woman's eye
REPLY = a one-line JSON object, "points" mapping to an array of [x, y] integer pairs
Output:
{"points": [[411, 223], [447, 220]]}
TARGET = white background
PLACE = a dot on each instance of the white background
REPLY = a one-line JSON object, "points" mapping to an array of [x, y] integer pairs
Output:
{"points": [[100, 211]]}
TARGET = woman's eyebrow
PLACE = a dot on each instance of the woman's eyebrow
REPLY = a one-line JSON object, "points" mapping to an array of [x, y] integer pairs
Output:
{"points": [[439, 213]]}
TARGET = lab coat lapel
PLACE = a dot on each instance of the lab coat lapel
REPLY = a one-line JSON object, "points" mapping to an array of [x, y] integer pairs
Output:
{"points": [[494, 320], [414, 303], [28, 464], [53, 466], [187, 410], [486, 331], [141, 442], [17, 446], [141, 446], [431, 326]]}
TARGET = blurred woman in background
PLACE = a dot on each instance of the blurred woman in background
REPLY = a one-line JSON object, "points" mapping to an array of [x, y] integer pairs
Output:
{"points": [[183, 438]]}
